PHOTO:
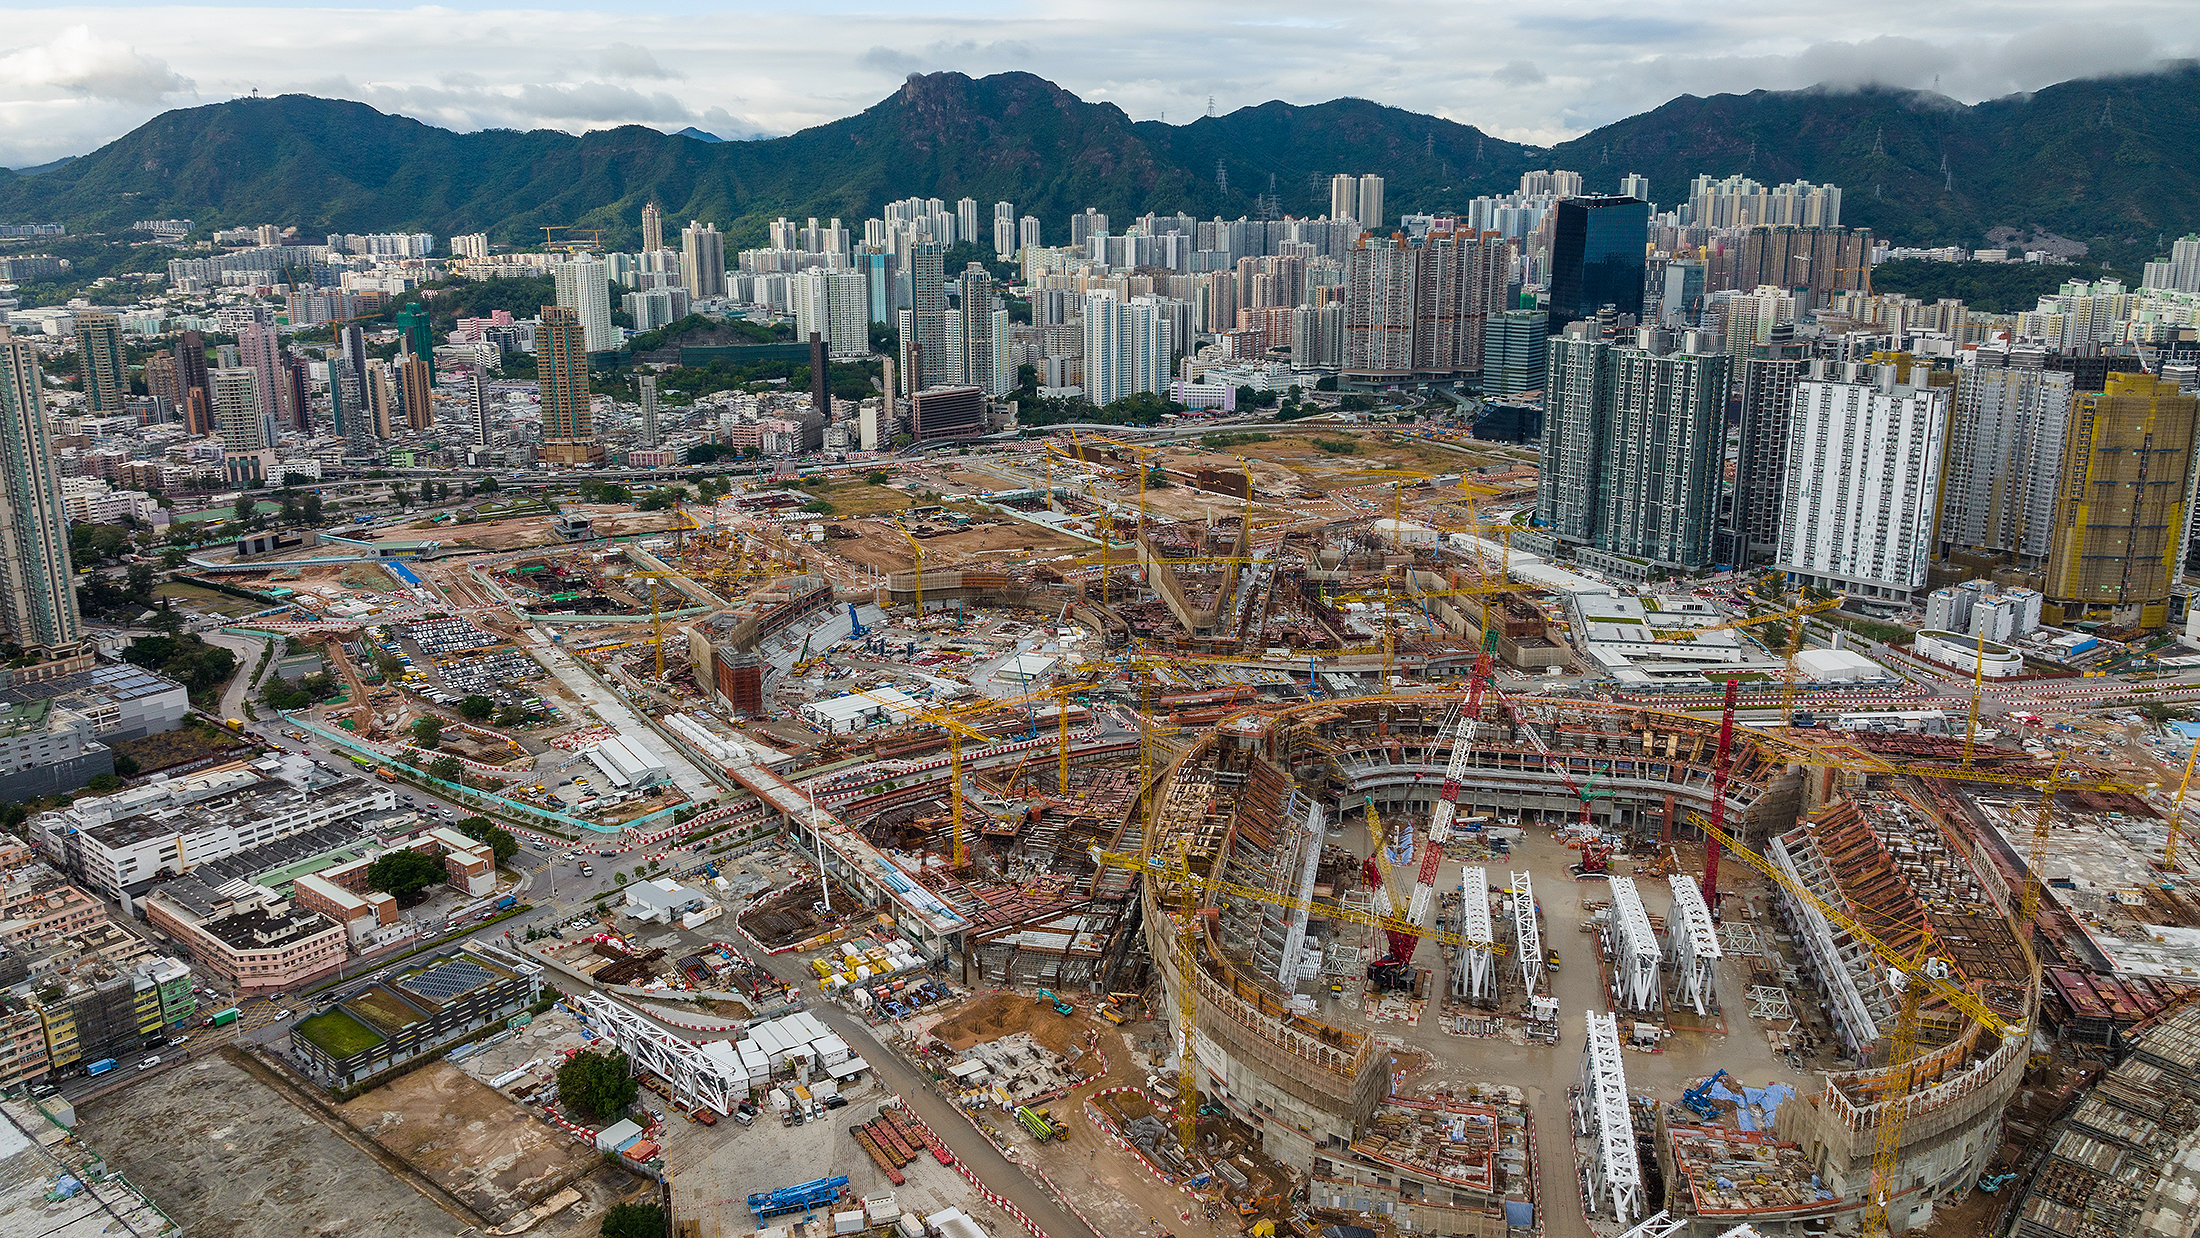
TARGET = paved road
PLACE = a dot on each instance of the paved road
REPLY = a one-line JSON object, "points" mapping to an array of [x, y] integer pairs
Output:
{"points": [[1004, 1177]]}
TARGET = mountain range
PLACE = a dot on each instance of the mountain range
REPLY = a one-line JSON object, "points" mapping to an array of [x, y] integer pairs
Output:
{"points": [[2112, 162]]}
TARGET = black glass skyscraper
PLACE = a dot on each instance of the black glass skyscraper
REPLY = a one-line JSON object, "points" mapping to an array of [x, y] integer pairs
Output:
{"points": [[1597, 247]]}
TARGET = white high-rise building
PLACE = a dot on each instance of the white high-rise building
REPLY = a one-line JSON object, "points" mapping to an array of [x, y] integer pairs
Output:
{"points": [[1344, 196], [649, 410], [2005, 455], [1027, 232], [474, 245], [1004, 229], [1863, 479], [833, 304], [584, 286], [966, 220], [1126, 347], [1371, 203], [703, 260]]}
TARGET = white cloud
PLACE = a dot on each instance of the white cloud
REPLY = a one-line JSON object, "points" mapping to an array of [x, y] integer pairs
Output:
{"points": [[627, 60], [1537, 74], [77, 62]]}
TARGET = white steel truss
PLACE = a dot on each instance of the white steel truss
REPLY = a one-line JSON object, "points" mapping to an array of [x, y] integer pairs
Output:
{"points": [[1601, 1113], [1294, 939], [698, 1076], [1662, 1224], [1527, 936], [1476, 976], [1633, 947], [1694, 942]]}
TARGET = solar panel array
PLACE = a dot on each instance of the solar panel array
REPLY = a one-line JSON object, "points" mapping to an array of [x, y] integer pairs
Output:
{"points": [[445, 981]]}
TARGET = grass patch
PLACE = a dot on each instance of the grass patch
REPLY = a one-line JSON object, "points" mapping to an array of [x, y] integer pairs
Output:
{"points": [[856, 497], [206, 599], [338, 1034], [185, 744], [384, 1008], [1745, 677]]}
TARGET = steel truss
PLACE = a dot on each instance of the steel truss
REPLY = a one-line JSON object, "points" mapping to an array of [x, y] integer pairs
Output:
{"points": [[1694, 942], [698, 1075], [1632, 945], [1527, 935], [1475, 977], [1600, 1112]]}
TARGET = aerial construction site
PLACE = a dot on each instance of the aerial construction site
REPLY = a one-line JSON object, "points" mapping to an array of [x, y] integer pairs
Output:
{"points": [[1262, 832]]}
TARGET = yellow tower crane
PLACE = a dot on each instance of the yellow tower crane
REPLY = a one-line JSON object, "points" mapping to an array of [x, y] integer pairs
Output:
{"points": [[1795, 616], [957, 731], [1914, 977], [2177, 813], [1175, 868], [916, 548]]}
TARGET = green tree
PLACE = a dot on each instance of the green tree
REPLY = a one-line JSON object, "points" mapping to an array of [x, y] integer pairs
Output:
{"points": [[487, 485], [428, 731], [404, 874], [500, 840], [201, 668], [387, 664], [597, 1086], [247, 509], [477, 708], [446, 767], [103, 783], [634, 1221]]}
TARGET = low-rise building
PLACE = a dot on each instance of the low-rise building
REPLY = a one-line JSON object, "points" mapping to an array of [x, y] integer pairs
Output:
{"points": [[419, 1012], [93, 994], [248, 937], [38, 906], [119, 845]]}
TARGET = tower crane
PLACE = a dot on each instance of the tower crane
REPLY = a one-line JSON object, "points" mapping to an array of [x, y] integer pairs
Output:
{"points": [[1175, 867], [2177, 812], [1915, 977], [915, 548], [1718, 802], [1795, 616], [957, 730]]}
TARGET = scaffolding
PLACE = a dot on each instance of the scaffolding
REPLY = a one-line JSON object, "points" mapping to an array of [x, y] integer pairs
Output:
{"points": [[1527, 936], [1632, 945], [699, 1075], [1475, 978], [1601, 1113], [1694, 943]]}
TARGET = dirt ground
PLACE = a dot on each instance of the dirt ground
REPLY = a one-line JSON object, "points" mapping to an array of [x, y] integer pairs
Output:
{"points": [[223, 1153], [881, 546], [469, 1140], [615, 521], [990, 1016]]}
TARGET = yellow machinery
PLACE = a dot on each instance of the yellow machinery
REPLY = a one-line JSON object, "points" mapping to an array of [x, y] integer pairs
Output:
{"points": [[2177, 813], [1915, 977], [1175, 868], [915, 548]]}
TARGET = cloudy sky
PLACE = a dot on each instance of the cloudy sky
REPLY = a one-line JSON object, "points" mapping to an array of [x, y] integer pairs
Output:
{"points": [[72, 77]]}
